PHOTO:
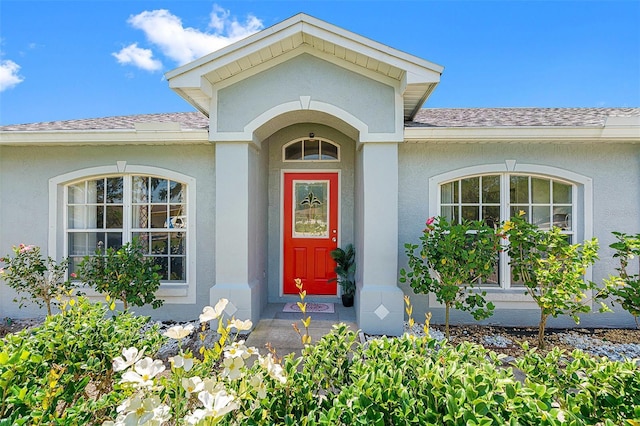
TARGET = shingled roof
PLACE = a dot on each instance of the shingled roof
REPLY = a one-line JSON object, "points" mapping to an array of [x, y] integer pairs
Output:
{"points": [[517, 117], [428, 117]]}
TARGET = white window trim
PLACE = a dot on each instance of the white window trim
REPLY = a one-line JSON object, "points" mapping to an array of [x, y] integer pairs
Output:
{"points": [[179, 293], [514, 297], [288, 144]]}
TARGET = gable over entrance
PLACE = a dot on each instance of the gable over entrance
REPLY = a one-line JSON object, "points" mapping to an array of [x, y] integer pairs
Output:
{"points": [[304, 64]]}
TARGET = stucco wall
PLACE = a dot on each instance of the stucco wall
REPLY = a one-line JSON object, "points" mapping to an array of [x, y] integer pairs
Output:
{"points": [[24, 179], [306, 75], [276, 166], [614, 169]]}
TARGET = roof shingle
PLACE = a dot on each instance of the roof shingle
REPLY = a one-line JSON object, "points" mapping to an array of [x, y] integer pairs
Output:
{"points": [[427, 117]]}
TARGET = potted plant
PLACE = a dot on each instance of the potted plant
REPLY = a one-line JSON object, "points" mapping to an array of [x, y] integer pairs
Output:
{"points": [[345, 272]]}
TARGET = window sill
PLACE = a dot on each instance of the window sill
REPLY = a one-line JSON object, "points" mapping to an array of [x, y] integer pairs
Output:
{"points": [[165, 291]]}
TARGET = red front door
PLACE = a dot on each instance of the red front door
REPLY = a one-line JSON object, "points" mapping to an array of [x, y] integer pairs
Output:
{"points": [[310, 231]]}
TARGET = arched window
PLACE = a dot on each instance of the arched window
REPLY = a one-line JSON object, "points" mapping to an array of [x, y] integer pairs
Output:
{"points": [[110, 211], [311, 149], [491, 194]]}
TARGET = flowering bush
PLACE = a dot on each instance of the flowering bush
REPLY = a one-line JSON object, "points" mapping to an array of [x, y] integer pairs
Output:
{"points": [[190, 394], [551, 269], [453, 258], [42, 278]]}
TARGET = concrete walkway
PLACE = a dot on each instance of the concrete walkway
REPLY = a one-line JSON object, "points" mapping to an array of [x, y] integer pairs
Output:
{"points": [[276, 328]]}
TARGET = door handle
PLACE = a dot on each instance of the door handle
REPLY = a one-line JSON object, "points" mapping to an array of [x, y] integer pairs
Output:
{"points": [[334, 239]]}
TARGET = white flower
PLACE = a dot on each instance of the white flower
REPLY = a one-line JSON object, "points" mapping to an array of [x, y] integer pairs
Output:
{"points": [[138, 411], [273, 368], [209, 313], [232, 367], [219, 404], [143, 372], [178, 331], [182, 362], [256, 381], [241, 325], [192, 384], [131, 356], [236, 349]]}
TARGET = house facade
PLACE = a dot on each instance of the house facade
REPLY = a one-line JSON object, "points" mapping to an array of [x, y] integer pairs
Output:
{"points": [[309, 137]]}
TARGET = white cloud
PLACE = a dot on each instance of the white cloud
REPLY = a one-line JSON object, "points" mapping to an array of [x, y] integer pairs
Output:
{"points": [[141, 58], [9, 75], [166, 32]]}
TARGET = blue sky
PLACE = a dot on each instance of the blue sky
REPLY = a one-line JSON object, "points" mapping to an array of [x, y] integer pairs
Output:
{"points": [[63, 60]]}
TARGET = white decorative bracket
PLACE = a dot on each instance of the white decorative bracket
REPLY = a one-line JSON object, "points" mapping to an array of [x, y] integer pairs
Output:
{"points": [[121, 165], [511, 165], [305, 101]]}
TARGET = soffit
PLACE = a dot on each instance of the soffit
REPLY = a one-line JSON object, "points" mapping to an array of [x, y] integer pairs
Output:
{"points": [[196, 81]]}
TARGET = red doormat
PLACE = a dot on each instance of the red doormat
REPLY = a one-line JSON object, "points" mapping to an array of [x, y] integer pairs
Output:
{"points": [[318, 308]]}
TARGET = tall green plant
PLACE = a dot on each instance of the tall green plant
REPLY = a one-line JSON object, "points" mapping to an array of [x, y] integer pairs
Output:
{"points": [[41, 278], [345, 268], [125, 274], [451, 260], [625, 288], [551, 269]]}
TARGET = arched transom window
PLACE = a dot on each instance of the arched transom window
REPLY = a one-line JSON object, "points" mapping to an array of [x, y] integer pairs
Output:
{"points": [[311, 149], [110, 211]]}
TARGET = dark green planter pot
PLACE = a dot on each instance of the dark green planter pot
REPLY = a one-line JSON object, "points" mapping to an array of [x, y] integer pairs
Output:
{"points": [[347, 300]]}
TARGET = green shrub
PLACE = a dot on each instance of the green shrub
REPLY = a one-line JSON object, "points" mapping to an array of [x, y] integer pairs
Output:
{"points": [[61, 372], [592, 389], [423, 382], [42, 278], [451, 260], [551, 269], [625, 288], [125, 274]]}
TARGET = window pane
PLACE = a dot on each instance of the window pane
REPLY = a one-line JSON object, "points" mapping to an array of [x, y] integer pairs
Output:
{"points": [[561, 193], [99, 217], [541, 216], [114, 190], [541, 191], [491, 215], [311, 209], [159, 216], [76, 193], [143, 238], [159, 190], [140, 217], [293, 151], [159, 243], [178, 269], [519, 189], [329, 151], [177, 217], [446, 193], [470, 212], [114, 217], [177, 243], [450, 213], [95, 191], [114, 240], [175, 192], [562, 218], [164, 266], [491, 189], [311, 149], [76, 217], [140, 189], [471, 190]]}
